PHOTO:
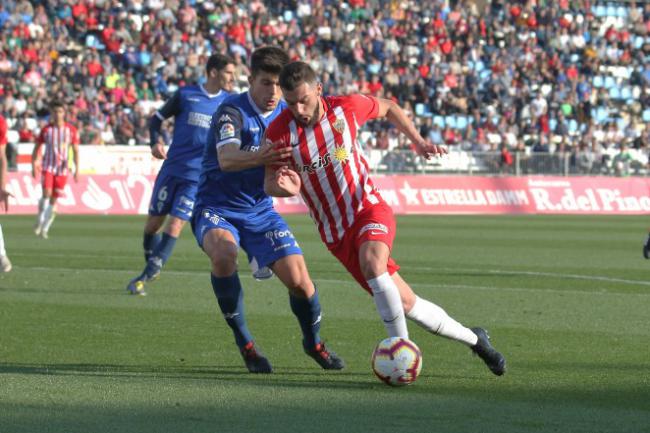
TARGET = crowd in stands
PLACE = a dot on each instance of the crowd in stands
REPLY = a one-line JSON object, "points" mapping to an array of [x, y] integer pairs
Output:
{"points": [[513, 77]]}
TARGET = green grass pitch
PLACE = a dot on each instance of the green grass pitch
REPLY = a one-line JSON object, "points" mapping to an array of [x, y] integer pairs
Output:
{"points": [[565, 298]]}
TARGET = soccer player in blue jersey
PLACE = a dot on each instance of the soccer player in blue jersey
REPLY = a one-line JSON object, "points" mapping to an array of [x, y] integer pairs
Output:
{"points": [[174, 192], [233, 210]]}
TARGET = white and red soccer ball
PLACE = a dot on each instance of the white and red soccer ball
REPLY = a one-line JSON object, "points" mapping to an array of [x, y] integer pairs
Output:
{"points": [[397, 361]]}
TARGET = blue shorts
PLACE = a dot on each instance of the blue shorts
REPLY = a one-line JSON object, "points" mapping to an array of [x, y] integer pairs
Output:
{"points": [[265, 237], [173, 196]]}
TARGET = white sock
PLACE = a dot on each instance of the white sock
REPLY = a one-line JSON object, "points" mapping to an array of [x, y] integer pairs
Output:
{"points": [[435, 320], [41, 204], [49, 216], [42, 213], [3, 252], [389, 305]]}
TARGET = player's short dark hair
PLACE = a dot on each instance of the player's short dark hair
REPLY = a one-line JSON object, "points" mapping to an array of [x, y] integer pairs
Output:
{"points": [[296, 73], [56, 103], [218, 62], [269, 59]]}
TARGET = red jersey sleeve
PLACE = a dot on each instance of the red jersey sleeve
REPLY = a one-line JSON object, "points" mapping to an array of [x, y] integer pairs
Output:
{"points": [[278, 132], [364, 107], [3, 131], [41, 136]]}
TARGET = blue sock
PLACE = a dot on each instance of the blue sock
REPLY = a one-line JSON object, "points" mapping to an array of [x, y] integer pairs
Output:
{"points": [[149, 243], [160, 254], [307, 311], [230, 296]]}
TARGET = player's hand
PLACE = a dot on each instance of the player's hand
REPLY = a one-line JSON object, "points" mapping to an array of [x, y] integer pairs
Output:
{"points": [[4, 199], [273, 153], [427, 149], [158, 151], [288, 180]]}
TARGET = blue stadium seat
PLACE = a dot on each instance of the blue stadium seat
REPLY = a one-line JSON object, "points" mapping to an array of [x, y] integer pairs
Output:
{"points": [[646, 115], [419, 109], [598, 81], [450, 121], [461, 122], [439, 120], [609, 82], [615, 93], [626, 93], [611, 11], [573, 126], [600, 10], [552, 123], [621, 12]]}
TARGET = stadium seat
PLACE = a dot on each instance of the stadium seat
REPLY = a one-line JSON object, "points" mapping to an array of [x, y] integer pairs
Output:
{"points": [[598, 81], [609, 82], [615, 93], [626, 93], [419, 109], [646, 115], [552, 123], [439, 120], [450, 121], [461, 122], [573, 126], [599, 10]]}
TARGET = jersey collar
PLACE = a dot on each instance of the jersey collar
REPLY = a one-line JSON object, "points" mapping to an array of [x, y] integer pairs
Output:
{"points": [[264, 114], [210, 95]]}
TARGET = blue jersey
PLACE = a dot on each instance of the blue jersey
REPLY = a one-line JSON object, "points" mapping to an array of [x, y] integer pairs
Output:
{"points": [[238, 121], [193, 108]]}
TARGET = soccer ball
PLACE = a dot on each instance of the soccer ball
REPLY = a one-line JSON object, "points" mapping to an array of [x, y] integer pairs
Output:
{"points": [[397, 361]]}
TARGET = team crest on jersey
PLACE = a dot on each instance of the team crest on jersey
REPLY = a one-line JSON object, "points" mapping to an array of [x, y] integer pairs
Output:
{"points": [[227, 131], [339, 125]]}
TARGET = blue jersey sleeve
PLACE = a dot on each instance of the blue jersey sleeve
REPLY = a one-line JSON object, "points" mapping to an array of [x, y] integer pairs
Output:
{"points": [[228, 125], [171, 108]]}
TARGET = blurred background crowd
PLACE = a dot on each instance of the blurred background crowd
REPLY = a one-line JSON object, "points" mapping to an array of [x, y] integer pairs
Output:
{"points": [[512, 78]]}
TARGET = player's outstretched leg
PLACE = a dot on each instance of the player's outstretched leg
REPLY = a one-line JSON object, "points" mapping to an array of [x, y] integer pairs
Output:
{"points": [[230, 296], [646, 247]]}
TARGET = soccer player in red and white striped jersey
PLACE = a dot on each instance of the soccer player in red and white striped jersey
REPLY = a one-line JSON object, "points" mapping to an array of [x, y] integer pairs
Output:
{"points": [[58, 137], [329, 169], [5, 263]]}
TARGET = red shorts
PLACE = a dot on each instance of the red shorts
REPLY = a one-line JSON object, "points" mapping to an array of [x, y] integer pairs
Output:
{"points": [[374, 223], [54, 182]]}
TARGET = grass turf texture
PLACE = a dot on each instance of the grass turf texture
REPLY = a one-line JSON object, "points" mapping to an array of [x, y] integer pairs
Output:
{"points": [[566, 299]]}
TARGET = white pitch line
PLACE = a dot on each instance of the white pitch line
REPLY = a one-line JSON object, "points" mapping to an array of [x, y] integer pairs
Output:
{"points": [[351, 282]]}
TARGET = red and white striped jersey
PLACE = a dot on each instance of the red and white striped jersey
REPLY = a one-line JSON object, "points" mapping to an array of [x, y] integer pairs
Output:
{"points": [[57, 141], [333, 168]]}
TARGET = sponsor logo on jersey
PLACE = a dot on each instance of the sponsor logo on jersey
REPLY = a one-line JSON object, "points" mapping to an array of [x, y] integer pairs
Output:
{"points": [[278, 235], [199, 119], [321, 162], [227, 131], [254, 129], [375, 229]]}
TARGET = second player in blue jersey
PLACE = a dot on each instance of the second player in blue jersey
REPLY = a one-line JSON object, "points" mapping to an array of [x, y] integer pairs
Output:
{"points": [[174, 192]]}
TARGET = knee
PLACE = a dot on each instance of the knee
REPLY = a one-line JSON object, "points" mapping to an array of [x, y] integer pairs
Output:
{"points": [[175, 226], [224, 262], [372, 268]]}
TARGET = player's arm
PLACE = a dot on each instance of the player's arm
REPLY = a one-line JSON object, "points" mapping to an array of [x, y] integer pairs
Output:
{"points": [[36, 155], [228, 129], [171, 108], [396, 115]]}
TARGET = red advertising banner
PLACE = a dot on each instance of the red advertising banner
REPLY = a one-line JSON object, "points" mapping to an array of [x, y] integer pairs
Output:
{"points": [[130, 194]]}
